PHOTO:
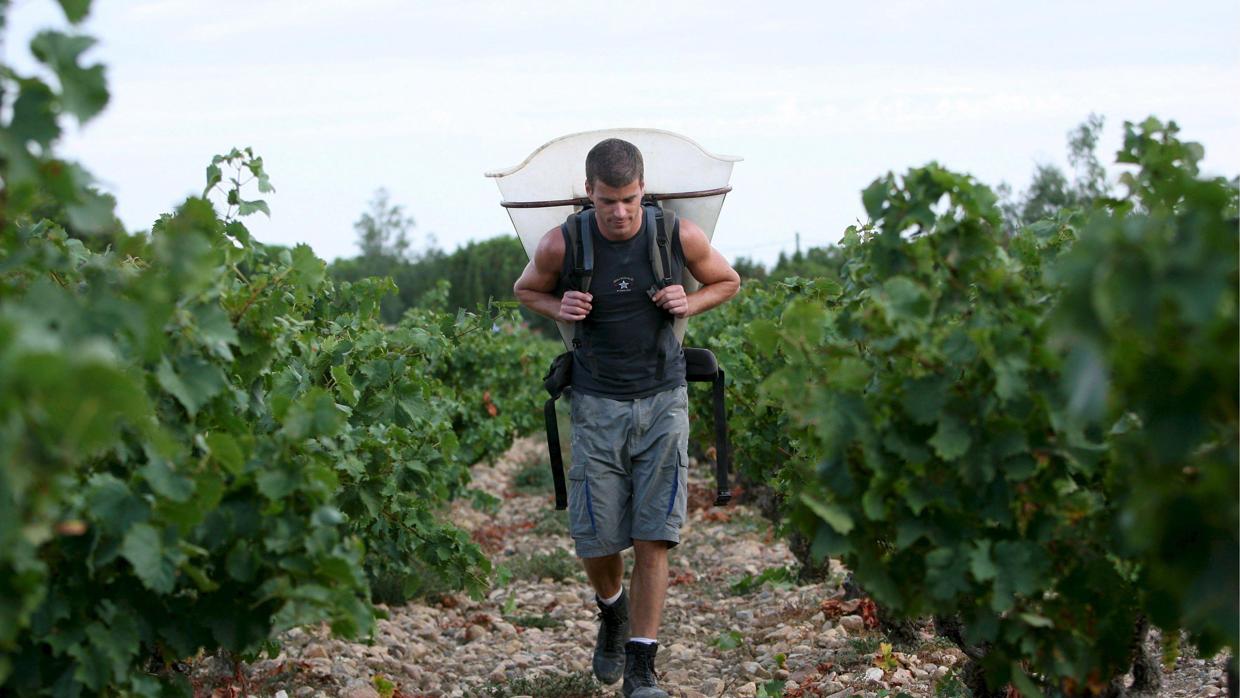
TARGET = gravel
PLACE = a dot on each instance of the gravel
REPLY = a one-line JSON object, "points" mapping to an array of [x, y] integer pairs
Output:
{"points": [[713, 642]]}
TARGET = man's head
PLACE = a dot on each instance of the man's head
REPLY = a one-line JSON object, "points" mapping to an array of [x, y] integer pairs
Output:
{"points": [[615, 163], [615, 183]]}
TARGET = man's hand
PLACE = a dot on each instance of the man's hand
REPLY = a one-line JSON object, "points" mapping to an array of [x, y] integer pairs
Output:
{"points": [[673, 300], [575, 306]]}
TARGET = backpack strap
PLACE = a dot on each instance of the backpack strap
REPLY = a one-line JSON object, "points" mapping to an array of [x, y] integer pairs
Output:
{"points": [[556, 457], [585, 262], [558, 379], [660, 246], [661, 264], [581, 244], [723, 446], [581, 247], [702, 366]]}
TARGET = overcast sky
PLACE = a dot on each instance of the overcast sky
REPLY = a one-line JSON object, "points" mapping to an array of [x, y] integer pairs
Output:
{"points": [[343, 97]]}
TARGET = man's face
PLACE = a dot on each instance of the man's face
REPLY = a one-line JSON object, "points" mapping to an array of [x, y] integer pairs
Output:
{"points": [[617, 209]]}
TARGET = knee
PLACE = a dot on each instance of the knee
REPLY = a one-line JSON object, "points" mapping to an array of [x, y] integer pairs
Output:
{"points": [[604, 562], [650, 553]]}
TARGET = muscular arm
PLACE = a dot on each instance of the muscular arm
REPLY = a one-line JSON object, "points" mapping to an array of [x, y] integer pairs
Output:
{"points": [[535, 287], [719, 281]]}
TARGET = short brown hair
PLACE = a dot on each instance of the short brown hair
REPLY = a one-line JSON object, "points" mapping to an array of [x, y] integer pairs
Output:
{"points": [[615, 163]]}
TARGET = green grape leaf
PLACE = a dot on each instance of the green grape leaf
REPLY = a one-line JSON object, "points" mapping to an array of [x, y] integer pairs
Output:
{"points": [[344, 384], [193, 382], [84, 91], [873, 502], [1019, 572], [237, 229], [980, 564], [91, 211], [245, 208], [765, 335], [34, 115], [308, 270], [945, 573], [850, 374], [314, 414], [214, 176], [166, 482], [144, 549], [905, 300], [951, 439], [874, 196], [112, 505], [241, 562], [1010, 383], [923, 398], [833, 514], [75, 10], [226, 452], [215, 330], [275, 483]]}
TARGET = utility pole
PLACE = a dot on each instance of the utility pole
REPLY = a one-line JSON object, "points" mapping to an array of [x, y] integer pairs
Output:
{"points": [[798, 243]]}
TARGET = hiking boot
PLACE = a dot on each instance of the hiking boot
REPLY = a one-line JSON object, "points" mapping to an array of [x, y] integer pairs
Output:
{"points": [[613, 632], [639, 676]]}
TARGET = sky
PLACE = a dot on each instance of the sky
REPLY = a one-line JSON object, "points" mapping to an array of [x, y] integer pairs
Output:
{"points": [[341, 98]]}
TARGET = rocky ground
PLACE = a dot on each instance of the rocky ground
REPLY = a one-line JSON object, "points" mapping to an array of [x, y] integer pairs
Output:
{"points": [[736, 622]]}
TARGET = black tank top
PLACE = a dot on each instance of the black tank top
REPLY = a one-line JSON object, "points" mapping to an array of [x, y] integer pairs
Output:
{"points": [[626, 336]]}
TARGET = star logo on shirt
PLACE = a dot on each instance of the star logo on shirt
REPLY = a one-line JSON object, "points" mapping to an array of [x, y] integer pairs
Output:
{"points": [[624, 284]]}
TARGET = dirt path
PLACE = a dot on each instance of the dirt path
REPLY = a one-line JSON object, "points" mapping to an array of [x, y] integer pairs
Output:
{"points": [[735, 623]]}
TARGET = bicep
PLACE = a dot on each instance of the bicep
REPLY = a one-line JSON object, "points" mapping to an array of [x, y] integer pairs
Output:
{"points": [[543, 271], [703, 260]]}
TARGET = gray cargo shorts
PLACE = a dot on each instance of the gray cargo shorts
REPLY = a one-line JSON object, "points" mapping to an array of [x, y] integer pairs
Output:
{"points": [[629, 475]]}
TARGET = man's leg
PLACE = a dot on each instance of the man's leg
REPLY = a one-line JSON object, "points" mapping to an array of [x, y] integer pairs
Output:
{"points": [[606, 574], [648, 587], [600, 519], [660, 480]]}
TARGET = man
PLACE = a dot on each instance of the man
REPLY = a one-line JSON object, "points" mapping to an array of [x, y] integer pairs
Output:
{"points": [[629, 402]]}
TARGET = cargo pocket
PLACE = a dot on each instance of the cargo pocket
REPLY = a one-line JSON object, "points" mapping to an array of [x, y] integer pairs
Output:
{"points": [[677, 501], [580, 506]]}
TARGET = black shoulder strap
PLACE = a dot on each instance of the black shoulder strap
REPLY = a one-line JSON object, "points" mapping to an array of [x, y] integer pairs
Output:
{"points": [[702, 366], [556, 457], [660, 246], [587, 249], [664, 273], [723, 446], [582, 244], [582, 249]]}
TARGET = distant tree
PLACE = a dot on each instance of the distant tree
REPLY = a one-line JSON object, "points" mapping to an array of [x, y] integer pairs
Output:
{"points": [[468, 277], [1050, 191], [749, 268], [1091, 177], [814, 263], [383, 230]]}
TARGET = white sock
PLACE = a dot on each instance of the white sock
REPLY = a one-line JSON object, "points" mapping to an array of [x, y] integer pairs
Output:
{"points": [[644, 640], [610, 601]]}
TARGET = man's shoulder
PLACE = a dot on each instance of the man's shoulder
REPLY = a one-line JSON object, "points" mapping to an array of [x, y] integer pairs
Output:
{"points": [[688, 226], [693, 240], [550, 250]]}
